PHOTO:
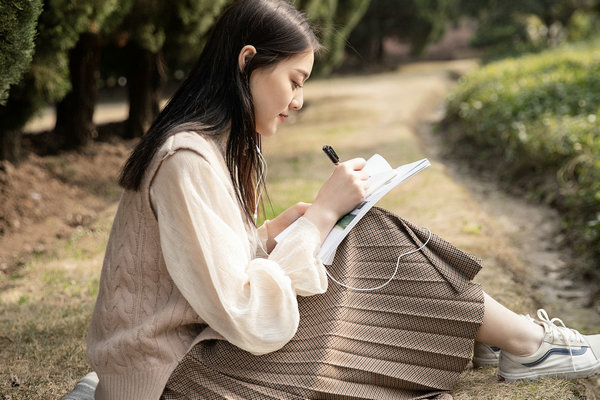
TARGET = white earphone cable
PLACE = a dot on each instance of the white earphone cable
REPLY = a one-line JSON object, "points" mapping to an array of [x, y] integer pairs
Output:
{"points": [[391, 278], [261, 178], [263, 174]]}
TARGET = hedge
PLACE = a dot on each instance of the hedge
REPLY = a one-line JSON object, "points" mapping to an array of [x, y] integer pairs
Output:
{"points": [[536, 119]]}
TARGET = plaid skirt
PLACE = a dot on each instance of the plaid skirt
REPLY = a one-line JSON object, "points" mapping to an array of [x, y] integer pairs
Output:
{"points": [[408, 340]]}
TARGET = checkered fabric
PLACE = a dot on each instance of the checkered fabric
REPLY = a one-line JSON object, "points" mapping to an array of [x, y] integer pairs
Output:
{"points": [[408, 340]]}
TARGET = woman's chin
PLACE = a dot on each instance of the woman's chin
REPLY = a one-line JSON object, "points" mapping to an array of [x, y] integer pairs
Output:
{"points": [[267, 132]]}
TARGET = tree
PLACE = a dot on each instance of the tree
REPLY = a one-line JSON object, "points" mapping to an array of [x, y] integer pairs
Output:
{"points": [[505, 24], [75, 112], [159, 30], [419, 22], [18, 20], [46, 80], [17, 31], [173, 33], [335, 20]]}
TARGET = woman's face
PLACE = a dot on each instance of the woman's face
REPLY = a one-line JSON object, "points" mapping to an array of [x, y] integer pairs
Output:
{"points": [[276, 90]]}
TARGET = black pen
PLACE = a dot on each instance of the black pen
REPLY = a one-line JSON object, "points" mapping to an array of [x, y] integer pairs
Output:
{"points": [[331, 154]]}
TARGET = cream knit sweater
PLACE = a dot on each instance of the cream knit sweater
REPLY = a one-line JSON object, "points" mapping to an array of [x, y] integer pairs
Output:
{"points": [[180, 258]]}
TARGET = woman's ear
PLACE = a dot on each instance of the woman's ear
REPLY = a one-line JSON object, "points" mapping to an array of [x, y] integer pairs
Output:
{"points": [[247, 52]]}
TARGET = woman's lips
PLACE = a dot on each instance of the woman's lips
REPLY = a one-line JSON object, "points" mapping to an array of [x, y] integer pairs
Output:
{"points": [[282, 117]]}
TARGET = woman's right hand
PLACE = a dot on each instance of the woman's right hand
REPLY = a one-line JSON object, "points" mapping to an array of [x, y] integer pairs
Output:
{"points": [[341, 193]]}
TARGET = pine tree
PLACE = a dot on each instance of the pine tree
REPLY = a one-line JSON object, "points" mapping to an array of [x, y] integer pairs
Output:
{"points": [[18, 20], [75, 112], [503, 25], [419, 22], [47, 79], [160, 30], [335, 20]]}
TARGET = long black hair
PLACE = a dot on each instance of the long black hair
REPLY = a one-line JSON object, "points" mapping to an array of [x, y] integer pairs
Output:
{"points": [[215, 97]]}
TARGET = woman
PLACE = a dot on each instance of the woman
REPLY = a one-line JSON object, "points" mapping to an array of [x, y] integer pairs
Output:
{"points": [[196, 302]]}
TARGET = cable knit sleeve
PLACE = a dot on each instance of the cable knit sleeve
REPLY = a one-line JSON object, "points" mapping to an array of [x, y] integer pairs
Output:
{"points": [[250, 301]]}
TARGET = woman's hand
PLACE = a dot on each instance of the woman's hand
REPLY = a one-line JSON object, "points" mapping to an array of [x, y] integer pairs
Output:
{"points": [[341, 193], [282, 221]]}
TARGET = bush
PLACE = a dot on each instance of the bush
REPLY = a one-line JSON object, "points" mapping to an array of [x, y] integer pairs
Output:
{"points": [[17, 30], [537, 117]]}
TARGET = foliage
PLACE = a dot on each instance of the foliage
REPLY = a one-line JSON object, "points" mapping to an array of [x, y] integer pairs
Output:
{"points": [[335, 20], [530, 25], [47, 81], [538, 115], [419, 22], [17, 31], [584, 25], [177, 29], [188, 30]]}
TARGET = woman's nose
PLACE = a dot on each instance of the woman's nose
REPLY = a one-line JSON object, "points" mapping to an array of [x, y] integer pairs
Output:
{"points": [[297, 102]]}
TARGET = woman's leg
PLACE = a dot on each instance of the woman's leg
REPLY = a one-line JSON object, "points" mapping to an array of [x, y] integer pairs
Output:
{"points": [[507, 330]]}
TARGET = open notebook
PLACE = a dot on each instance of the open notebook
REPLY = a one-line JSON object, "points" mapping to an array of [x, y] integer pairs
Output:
{"points": [[382, 179]]}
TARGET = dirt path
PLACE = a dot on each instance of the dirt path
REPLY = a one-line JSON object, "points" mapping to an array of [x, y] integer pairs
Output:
{"points": [[533, 231], [386, 113]]}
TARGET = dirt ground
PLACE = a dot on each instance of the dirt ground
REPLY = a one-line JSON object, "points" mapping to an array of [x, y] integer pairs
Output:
{"points": [[49, 198]]}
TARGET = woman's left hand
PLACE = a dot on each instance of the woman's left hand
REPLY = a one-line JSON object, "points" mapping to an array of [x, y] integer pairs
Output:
{"points": [[283, 220]]}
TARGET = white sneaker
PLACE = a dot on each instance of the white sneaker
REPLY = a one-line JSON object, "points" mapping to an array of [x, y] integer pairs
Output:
{"points": [[485, 356], [564, 353]]}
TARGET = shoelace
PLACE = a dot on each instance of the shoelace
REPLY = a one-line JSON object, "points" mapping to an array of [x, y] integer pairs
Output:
{"points": [[569, 335]]}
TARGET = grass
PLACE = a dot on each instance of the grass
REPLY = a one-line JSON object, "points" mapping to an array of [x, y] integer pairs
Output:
{"points": [[46, 305]]}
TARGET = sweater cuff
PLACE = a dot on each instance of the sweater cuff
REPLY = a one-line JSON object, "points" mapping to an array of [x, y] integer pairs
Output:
{"points": [[297, 255]]}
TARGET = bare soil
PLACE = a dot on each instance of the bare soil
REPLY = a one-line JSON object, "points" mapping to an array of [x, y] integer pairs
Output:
{"points": [[46, 198]]}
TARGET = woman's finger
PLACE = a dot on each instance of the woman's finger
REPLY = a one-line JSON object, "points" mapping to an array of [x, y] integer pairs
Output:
{"points": [[356, 164]]}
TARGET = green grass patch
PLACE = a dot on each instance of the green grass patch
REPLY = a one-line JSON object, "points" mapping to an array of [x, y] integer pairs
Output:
{"points": [[45, 313], [535, 121]]}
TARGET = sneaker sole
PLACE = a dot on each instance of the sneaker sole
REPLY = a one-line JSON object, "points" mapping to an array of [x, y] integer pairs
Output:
{"points": [[567, 374]]}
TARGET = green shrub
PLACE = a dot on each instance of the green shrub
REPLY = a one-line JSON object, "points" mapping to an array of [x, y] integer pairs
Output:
{"points": [[537, 118]]}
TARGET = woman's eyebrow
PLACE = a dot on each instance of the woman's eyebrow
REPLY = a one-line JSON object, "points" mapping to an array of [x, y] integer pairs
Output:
{"points": [[304, 73]]}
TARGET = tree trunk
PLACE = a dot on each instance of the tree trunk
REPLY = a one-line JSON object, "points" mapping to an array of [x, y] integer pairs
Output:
{"points": [[75, 113], [10, 146], [145, 82], [21, 107], [379, 49]]}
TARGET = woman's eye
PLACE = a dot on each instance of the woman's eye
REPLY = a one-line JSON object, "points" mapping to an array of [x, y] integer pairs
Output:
{"points": [[296, 85]]}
